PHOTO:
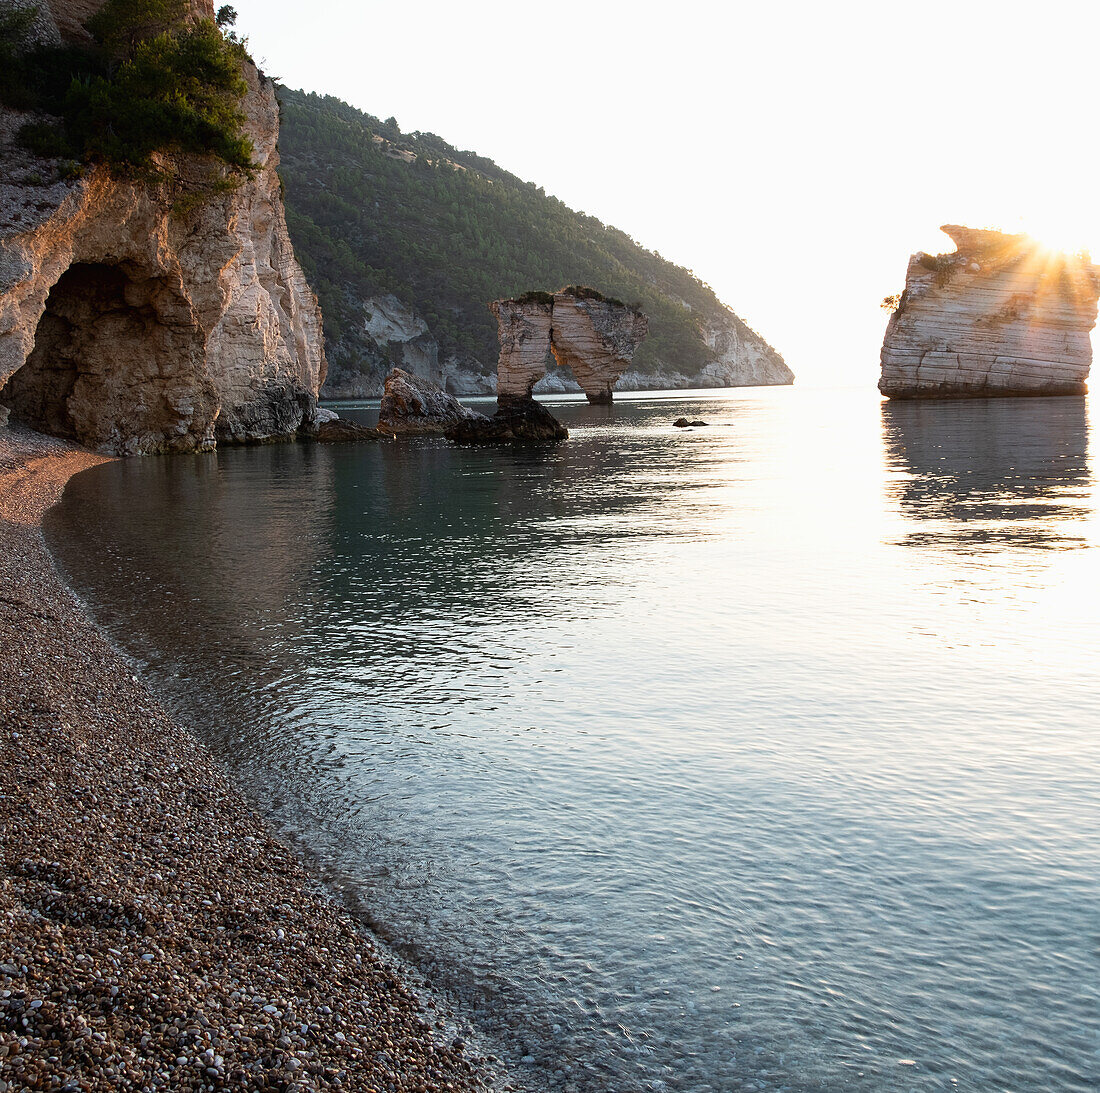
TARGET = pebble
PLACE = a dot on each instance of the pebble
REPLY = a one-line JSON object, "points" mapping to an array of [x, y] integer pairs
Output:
{"points": [[163, 916]]}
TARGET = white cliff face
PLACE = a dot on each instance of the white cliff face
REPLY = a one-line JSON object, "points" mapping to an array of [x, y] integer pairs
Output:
{"points": [[399, 337], [1000, 316], [132, 326], [742, 359], [390, 323]]}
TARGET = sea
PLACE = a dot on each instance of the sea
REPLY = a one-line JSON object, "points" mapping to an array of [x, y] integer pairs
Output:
{"points": [[757, 755]]}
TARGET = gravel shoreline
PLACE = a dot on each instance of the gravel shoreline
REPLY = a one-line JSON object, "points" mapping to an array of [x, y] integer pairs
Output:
{"points": [[153, 934]]}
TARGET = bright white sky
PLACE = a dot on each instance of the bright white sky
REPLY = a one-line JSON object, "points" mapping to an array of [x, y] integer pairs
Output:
{"points": [[792, 154]]}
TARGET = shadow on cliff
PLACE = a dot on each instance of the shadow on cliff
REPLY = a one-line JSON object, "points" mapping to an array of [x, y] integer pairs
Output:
{"points": [[990, 472]]}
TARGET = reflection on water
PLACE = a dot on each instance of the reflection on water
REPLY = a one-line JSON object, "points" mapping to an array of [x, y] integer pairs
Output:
{"points": [[991, 471], [761, 756]]}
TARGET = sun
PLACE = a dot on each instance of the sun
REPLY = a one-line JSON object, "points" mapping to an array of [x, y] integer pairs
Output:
{"points": [[1063, 233]]}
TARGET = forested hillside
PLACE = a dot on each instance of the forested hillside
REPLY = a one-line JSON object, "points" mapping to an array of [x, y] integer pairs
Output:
{"points": [[375, 212]]}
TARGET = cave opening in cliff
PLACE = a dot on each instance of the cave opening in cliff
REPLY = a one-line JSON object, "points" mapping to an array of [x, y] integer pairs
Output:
{"points": [[40, 394], [106, 331]]}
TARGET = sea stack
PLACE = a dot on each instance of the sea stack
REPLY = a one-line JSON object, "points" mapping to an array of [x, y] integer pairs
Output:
{"points": [[593, 336], [1002, 315], [134, 320]]}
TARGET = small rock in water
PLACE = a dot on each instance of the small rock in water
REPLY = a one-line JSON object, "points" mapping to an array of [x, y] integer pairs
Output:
{"points": [[683, 423]]}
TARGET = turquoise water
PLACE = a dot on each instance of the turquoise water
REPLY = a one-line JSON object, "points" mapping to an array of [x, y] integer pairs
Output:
{"points": [[760, 756]]}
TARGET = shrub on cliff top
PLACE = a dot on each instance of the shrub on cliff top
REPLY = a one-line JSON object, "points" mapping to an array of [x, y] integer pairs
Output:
{"points": [[155, 82], [178, 91], [536, 297]]}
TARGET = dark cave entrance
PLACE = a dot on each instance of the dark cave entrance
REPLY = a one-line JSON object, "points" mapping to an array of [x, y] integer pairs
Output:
{"points": [[40, 393], [112, 363]]}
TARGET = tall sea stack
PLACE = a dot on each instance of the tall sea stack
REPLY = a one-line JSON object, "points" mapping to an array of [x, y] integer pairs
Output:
{"points": [[1002, 315]]}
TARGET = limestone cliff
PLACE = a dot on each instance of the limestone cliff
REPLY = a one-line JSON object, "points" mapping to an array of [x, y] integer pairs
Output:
{"points": [[1000, 316], [593, 337], [134, 321]]}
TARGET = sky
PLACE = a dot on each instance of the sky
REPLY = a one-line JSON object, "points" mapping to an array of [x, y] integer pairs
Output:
{"points": [[792, 155]]}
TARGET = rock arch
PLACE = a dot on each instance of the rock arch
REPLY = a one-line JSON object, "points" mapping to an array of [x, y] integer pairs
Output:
{"points": [[595, 338]]}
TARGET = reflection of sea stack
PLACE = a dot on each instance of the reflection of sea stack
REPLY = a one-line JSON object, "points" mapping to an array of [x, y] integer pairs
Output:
{"points": [[989, 471], [1002, 315]]}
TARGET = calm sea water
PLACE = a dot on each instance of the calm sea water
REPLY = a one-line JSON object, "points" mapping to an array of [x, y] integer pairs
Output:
{"points": [[761, 756]]}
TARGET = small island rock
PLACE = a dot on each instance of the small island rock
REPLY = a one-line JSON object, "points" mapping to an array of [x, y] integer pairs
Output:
{"points": [[414, 405], [1003, 315], [520, 420]]}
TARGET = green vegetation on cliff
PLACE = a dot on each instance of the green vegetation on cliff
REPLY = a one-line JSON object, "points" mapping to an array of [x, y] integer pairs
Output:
{"points": [[153, 81], [373, 211]]}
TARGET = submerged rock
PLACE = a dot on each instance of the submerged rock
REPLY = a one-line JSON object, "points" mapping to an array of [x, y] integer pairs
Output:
{"points": [[517, 420], [1001, 316], [134, 323], [684, 423], [412, 405], [583, 331], [339, 429]]}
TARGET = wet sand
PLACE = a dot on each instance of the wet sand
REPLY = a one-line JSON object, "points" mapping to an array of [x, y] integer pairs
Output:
{"points": [[153, 933]]}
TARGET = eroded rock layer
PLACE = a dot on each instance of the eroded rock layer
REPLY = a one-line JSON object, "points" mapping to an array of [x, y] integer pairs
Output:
{"points": [[134, 322], [593, 337], [1000, 316], [595, 340]]}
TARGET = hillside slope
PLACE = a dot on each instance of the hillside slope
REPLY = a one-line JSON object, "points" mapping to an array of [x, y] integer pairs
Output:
{"points": [[406, 239]]}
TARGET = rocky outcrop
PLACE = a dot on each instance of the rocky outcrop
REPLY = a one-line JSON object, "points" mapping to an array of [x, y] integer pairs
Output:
{"points": [[521, 420], [337, 430], [1001, 316], [595, 338], [413, 405], [135, 320], [392, 332]]}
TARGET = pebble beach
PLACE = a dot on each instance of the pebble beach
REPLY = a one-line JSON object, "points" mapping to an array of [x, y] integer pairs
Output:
{"points": [[153, 933]]}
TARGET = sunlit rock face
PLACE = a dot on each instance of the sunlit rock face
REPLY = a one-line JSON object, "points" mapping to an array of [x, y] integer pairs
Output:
{"points": [[594, 338], [1000, 316], [134, 324]]}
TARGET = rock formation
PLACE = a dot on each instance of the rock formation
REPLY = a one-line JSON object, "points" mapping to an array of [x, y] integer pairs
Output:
{"points": [[521, 420], [524, 327], [412, 405], [1001, 316], [595, 338], [133, 323]]}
